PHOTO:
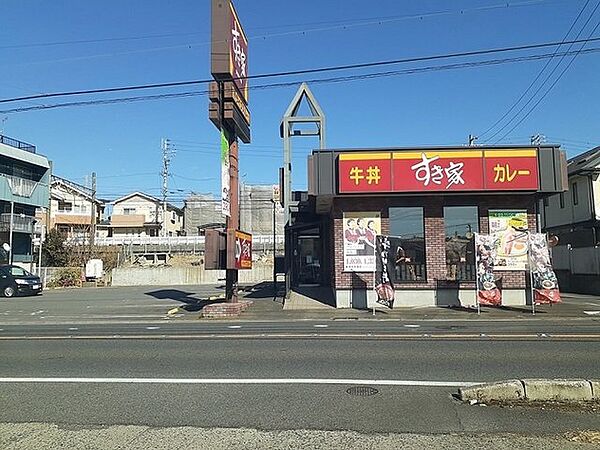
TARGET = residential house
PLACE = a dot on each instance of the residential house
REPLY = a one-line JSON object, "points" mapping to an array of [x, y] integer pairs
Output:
{"points": [[574, 218], [24, 187], [73, 209], [140, 214]]}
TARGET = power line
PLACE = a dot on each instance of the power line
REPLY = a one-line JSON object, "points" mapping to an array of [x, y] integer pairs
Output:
{"points": [[551, 86], [481, 135], [303, 31], [541, 86], [295, 83], [303, 71]]}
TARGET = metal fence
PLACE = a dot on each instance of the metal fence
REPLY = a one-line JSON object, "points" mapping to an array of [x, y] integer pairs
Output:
{"points": [[17, 144]]}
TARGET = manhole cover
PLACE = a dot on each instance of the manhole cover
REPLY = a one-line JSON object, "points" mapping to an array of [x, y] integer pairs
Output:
{"points": [[362, 391]]}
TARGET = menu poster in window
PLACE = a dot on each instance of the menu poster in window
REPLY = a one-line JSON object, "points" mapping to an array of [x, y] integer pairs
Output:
{"points": [[360, 229], [511, 246]]}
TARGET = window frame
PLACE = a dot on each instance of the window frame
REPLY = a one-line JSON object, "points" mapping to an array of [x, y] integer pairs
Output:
{"points": [[473, 227], [423, 269]]}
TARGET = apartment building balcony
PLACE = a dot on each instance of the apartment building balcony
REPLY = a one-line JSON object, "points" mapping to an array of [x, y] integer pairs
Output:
{"points": [[21, 223]]}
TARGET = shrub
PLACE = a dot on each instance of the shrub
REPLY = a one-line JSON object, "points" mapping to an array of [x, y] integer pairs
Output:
{"points": [[66, 277]]}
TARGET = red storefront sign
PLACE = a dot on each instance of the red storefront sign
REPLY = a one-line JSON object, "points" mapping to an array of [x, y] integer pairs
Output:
{"points": [[365, 172], [441, 170], [242, 243]]}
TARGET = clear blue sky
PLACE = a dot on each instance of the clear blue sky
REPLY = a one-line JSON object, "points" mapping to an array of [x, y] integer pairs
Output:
{"points": [[121, 142]]}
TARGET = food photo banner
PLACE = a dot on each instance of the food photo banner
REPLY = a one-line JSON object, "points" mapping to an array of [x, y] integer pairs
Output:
{"points": [[438, 171]]}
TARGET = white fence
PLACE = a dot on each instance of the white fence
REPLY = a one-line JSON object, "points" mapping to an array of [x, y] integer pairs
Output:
{"points": [[171, 276], [168, 241]]}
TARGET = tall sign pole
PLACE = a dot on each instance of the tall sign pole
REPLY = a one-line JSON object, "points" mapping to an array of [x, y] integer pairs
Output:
{"points": [[228, 110]]}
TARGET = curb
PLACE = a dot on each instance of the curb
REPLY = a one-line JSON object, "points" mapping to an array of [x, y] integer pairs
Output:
{"points": [[532, 390]]}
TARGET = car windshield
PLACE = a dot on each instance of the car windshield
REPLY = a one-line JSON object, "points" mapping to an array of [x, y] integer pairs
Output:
{"points": [[19, 272]]}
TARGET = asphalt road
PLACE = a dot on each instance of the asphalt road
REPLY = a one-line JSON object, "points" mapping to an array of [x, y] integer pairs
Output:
{"points": [[112, 357], [418, 408]]}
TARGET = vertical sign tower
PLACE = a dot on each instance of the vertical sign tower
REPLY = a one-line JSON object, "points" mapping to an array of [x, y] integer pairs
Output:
{"points": [[228, 111]]}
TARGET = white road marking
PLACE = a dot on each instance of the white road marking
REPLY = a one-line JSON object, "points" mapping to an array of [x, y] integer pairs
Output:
{"points": [[321, 326], [425, 383], [412, 326], [152, 328], [73, 329], [592, 313], [234, 326]]}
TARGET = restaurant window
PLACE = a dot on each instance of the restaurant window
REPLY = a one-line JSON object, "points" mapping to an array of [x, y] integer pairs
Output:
{"points": [[461, 222], [575, 195], [407, 225]]}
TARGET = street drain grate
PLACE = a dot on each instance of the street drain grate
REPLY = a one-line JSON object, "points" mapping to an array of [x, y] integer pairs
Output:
{"points": [[362, 391]]}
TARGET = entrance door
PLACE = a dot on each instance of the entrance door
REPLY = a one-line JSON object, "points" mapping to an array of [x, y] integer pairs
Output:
{"points": [[307, 258]]}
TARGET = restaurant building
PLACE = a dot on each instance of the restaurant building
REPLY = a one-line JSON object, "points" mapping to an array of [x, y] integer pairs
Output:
{"points": [[434, 200]]}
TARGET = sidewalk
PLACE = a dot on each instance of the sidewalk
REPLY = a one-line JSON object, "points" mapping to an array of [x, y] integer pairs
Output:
{"points": [[573, 307]]}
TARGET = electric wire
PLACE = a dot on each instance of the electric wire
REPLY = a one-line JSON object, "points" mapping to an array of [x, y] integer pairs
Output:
{"points": [[303, 71], [297, 82], [481, 135]]}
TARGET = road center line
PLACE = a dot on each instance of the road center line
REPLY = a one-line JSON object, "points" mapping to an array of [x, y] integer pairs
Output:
{"points": [[317, 381]]}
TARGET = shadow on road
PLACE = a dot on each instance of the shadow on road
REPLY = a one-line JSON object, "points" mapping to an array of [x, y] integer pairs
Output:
{"points": [[191, 304], [518, 309], [264, 290]]}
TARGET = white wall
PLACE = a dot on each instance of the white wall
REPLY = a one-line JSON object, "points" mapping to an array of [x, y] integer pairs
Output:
{"points": [[555, 216], [81, 206], [596, 191]]}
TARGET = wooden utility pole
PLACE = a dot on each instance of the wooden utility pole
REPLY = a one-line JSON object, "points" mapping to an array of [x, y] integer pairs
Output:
{"points": [[93, 213]]}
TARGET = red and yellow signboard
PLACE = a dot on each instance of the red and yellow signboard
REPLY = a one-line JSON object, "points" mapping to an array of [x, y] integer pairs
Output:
{"points": [[438, 170], [242, 243]]}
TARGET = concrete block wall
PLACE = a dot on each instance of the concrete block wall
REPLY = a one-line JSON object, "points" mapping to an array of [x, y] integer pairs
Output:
{"points": [[165, 276]]}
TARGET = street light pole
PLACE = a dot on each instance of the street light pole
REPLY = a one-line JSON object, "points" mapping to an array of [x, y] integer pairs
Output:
{"points": [[40, 249], [274, 250], [10, 238]]}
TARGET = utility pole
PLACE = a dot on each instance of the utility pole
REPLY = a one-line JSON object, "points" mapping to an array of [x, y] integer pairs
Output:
{"points": [[93, 213], [472, 140], [166, 157], [538, 139]]}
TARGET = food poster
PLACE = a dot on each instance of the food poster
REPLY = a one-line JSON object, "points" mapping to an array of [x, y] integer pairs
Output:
{"points": [[545, 283], [512, 242], [485, 257], [360, 230]]}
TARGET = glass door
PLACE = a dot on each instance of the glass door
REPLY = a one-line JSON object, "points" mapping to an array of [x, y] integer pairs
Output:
{"points": [[308, 258]]}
